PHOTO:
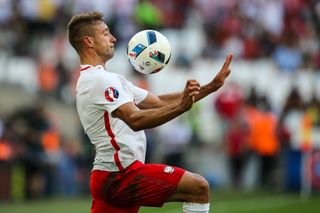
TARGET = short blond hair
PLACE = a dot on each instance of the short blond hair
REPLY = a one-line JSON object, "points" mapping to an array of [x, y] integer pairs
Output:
{"points": [[81, 25]]}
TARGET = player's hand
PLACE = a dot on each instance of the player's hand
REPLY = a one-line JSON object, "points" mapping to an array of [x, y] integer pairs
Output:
{"points": [[191, 90], [219, 79]]}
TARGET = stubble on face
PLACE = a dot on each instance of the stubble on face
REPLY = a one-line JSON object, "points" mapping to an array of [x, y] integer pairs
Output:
{"points": [[103, 40]]}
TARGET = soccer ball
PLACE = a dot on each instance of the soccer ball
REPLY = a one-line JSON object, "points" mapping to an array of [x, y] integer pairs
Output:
{"points": [[149, 51]]}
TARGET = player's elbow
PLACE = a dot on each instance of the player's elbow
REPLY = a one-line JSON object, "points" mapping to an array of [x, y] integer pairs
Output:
{"points": [[136, 128], [135, 124], [141, 123]]}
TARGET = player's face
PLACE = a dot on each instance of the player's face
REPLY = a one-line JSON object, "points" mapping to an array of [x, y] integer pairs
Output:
{"points": [[104, 41]]}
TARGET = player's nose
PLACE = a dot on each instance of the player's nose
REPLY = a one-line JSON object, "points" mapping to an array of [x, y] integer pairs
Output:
{"points": [[113, 39]]}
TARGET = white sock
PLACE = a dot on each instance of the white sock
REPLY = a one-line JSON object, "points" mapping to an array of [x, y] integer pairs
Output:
{"points": [[195, 207]]}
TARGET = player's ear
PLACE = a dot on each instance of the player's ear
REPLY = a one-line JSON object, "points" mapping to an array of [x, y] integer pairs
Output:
{"points": [[88, 41]]}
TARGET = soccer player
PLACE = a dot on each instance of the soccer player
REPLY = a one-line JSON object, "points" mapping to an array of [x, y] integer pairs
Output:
{"points": [[114, 114]]}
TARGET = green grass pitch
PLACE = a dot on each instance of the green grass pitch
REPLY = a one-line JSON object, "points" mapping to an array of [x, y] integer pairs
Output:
{"points": [[222, 202]]}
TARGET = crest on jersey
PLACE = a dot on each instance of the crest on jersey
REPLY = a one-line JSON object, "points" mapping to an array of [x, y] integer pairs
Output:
{"points": [[111, 94], [168, 169]]}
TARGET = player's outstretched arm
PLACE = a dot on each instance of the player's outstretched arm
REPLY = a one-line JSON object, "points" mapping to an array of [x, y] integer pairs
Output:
{"points": [[217, 81], [145, 119], [153, 101]]}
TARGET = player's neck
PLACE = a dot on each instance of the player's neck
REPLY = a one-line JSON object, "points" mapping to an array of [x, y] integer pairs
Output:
{"points": [[91, 60]]}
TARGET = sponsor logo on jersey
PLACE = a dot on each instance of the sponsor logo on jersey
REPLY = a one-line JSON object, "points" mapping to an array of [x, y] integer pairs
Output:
{"points": [[111, 94], [168, 169]]}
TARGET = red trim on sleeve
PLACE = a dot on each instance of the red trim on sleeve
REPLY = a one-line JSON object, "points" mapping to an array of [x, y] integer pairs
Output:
{"points": [[112, 140]]}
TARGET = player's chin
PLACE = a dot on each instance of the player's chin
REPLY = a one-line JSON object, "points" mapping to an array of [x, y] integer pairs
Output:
{"points": [[109, 55]]}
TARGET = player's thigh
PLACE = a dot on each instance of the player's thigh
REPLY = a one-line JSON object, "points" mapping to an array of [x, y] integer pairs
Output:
{"points": [[154, 183], [139, 185], [191, 188]]}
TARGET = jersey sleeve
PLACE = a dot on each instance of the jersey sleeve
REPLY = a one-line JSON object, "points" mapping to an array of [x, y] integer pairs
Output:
{"points": [[108, 94], [139, 94]]}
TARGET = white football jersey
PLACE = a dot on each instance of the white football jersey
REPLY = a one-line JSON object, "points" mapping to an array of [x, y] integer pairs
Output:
{"points": [[98, 93]]}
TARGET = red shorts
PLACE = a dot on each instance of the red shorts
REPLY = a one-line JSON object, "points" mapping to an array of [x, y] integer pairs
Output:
{"points": [[138, 185]]}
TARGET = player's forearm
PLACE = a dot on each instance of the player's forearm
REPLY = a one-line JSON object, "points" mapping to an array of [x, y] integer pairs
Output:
{"points": [[171, 98], [204, 91], [150, 118], [208, 89]]}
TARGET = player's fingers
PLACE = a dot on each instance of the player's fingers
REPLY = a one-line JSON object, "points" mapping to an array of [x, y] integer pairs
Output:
{"points": [[193, 88], [227, 62], [192, 98], [193, 83], [190, 81], [228, 72], [195, 92]]}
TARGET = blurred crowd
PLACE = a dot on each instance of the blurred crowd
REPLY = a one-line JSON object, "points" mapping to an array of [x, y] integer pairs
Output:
{"points": [[277, 142], [285, 30], [37, 158]]}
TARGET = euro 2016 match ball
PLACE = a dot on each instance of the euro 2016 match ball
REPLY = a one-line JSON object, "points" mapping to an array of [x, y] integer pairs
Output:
{"points": [[149, 51]]}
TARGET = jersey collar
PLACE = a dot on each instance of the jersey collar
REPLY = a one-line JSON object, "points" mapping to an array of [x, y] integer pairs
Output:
{"points": [[84, 67]]}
